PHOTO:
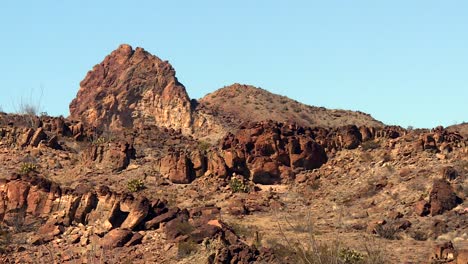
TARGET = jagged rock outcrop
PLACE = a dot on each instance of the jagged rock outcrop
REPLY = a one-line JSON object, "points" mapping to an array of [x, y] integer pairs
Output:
{"points": [[269, 151], [441, 140], [350, 136], [177, 167], [442, 197], [27, 137], [115, 217], [112, 155], [132, 86]]}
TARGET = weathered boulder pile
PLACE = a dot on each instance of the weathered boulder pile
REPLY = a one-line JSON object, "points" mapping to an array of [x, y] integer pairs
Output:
{"points": [[114, 219]]}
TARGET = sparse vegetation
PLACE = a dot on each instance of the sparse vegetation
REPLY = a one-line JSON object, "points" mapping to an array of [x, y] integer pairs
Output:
{"points": [[183, 228], [5, 238], [387, 231], [386, 157], [366, 157], [312, 251], [351, 256], [99, 141], [371, 144], [30, 108], [419, 235], [238, 185], [186, 248], [135, 185], [27, 168], [204, 146]]}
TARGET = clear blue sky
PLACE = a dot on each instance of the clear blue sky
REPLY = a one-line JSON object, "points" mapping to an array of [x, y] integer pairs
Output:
{"points": [[404, 62]]}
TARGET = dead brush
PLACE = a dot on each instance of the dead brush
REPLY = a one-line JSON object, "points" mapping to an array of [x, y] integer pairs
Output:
{"points": [[312, 251]]}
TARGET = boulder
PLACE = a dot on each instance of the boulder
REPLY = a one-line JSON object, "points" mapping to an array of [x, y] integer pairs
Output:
{"points": [[116, 238], [38, 136], [442, 197], [177, 167]]}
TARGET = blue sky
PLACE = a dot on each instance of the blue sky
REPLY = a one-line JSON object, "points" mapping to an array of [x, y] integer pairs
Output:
{"points": [[404, 62]]}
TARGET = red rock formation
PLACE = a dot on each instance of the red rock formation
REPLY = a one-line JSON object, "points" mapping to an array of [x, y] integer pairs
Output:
{"points": [[115, 216], [442, 197], [264, 150], [113, 155], [132, 86]]}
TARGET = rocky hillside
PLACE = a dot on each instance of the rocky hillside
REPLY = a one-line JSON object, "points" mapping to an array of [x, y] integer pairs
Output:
{"points": [[133, 88], [248, 103], [461, 128], [130, 177]]}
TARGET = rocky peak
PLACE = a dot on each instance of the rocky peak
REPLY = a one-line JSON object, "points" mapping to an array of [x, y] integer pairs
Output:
{"points": [[132, 87]]}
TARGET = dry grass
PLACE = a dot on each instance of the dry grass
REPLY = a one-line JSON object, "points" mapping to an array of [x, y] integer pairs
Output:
{"points": [[313, 251]]}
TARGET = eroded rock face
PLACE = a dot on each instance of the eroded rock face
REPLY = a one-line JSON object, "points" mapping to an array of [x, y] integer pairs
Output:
{"points": [[264, 150], [132, 86], [112, 155], [120, 219], [442, 197]]}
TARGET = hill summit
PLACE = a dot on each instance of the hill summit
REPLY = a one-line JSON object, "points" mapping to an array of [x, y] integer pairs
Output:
{"points": [[132, 87], [247, 102]]}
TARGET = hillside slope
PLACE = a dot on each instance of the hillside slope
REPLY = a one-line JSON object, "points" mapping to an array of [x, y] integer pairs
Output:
{"points": [[248, 103], [461, 128]]}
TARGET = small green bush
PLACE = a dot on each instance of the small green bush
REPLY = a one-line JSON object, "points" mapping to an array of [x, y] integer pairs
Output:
{"points": [[28, 167], [351, 256], [204, 146], [237, 185], [135, 185]]}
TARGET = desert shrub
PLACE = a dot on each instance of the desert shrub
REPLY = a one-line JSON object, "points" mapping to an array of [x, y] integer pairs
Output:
{"points": [[241, 230], [248, 233], [350, 256], [366, 157], [238, 185], [99, 141], [387, 157], [387, 231], [28, 109], [5, 239], [28, 167], [297, 109], [371, 144], [462, 166], [419, 235], [186, 248], [204, 146], [312, 251], [135, 185], [183, 228]]}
